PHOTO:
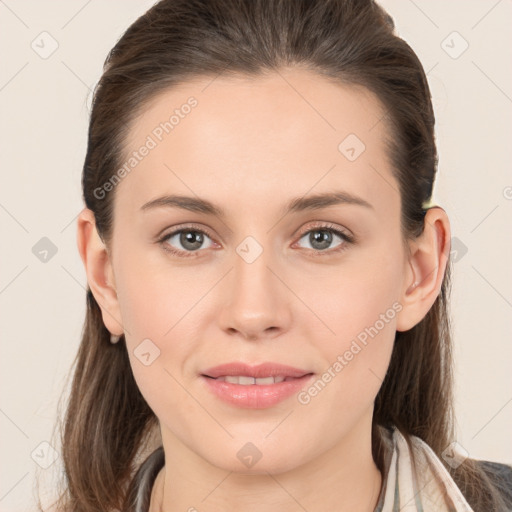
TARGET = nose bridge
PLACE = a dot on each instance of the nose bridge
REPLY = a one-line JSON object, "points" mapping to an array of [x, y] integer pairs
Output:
{"points": [[255, 303], [251, 272]]}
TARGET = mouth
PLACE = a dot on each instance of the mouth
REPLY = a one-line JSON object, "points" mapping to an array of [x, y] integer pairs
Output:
{"points": [[251, 374], [245, 380], [255, 387]]}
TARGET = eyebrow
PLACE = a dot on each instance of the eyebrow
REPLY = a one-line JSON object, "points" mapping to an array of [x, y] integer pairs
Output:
{"points": [[299, 204]]}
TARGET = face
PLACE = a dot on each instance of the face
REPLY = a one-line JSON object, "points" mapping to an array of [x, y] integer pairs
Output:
{"points": [[316, 286]]}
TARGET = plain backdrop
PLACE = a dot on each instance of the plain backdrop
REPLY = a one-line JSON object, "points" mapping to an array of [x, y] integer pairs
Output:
{"points": [[51, 57]]}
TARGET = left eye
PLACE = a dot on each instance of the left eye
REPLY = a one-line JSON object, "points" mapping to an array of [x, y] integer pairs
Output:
{"points": [[321, 238]]}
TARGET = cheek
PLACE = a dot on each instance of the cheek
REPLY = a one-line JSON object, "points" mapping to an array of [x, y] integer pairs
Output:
{"points": [[358, 306], [355, 364], [154, 295], [165, 392], [363, 290], [159, 342], [161, 308]]}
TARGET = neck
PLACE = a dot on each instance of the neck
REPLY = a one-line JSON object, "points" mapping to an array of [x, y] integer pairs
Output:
{"points": [[343, 478]]}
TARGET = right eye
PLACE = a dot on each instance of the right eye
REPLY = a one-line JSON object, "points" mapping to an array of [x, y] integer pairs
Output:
{"points": [[190, 239]]}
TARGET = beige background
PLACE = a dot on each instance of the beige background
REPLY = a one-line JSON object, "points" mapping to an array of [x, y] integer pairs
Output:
{"points": [[44, 118]]}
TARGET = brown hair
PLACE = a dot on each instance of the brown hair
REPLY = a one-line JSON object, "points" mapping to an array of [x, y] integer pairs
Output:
{"points": [[107, 421]]}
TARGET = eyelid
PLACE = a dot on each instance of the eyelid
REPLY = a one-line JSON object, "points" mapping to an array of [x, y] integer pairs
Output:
{"points": [[328, 226], [347, 236], [162, 237], [183, 227]]}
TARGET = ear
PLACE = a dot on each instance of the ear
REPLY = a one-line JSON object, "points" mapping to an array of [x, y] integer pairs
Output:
{"points": [[98, 267], [426, 266]]}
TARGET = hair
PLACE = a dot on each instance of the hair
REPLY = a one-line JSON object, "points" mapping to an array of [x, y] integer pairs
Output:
{"points": [[107, 421]]}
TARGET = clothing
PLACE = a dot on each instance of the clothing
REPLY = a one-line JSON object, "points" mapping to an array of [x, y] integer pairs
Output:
{"points": [[425, 487]]}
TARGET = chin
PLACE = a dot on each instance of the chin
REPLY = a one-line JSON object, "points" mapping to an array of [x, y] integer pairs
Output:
{"points": [[250, 459]]}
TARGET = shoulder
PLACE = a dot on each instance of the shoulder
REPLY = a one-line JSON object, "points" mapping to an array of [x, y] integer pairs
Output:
{"points": [[500, 475]]}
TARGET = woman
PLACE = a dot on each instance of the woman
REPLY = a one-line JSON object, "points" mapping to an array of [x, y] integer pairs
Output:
{"points": [[268, 277]]}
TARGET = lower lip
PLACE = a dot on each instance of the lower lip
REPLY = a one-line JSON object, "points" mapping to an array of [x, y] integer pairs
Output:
{"points": [[255, 396]]}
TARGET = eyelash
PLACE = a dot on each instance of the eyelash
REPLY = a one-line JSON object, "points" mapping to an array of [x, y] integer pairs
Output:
{"points": [[348, 239]]}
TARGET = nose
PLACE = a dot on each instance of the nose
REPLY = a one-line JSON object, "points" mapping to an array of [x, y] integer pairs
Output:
{"points": [[256, 303]]}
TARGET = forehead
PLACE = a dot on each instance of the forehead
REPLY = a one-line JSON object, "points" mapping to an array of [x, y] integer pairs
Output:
{"points": [[287, 132]]}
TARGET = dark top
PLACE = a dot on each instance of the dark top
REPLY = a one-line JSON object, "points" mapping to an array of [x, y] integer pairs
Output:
{"points": [[139, 492]]}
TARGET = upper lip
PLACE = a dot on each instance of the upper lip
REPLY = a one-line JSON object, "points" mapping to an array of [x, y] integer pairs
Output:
{"points": [[256, 371]]}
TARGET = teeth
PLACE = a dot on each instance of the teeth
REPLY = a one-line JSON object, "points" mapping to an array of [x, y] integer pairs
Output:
{"points": [[246, 381]]}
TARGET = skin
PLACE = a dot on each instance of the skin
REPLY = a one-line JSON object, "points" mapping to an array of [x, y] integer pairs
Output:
{"points": [[250, 146]]}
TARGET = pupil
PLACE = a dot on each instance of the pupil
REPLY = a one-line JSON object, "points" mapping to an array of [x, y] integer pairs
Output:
{"points": [[324, 237], [188, 237]]}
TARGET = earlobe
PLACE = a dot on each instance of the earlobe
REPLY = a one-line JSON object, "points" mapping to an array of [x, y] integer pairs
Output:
{"points": [[98, 268], [427, 262]]}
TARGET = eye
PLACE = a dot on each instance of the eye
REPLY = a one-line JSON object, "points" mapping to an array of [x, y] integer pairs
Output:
{"points": [[189, 240], [321, 238]]}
